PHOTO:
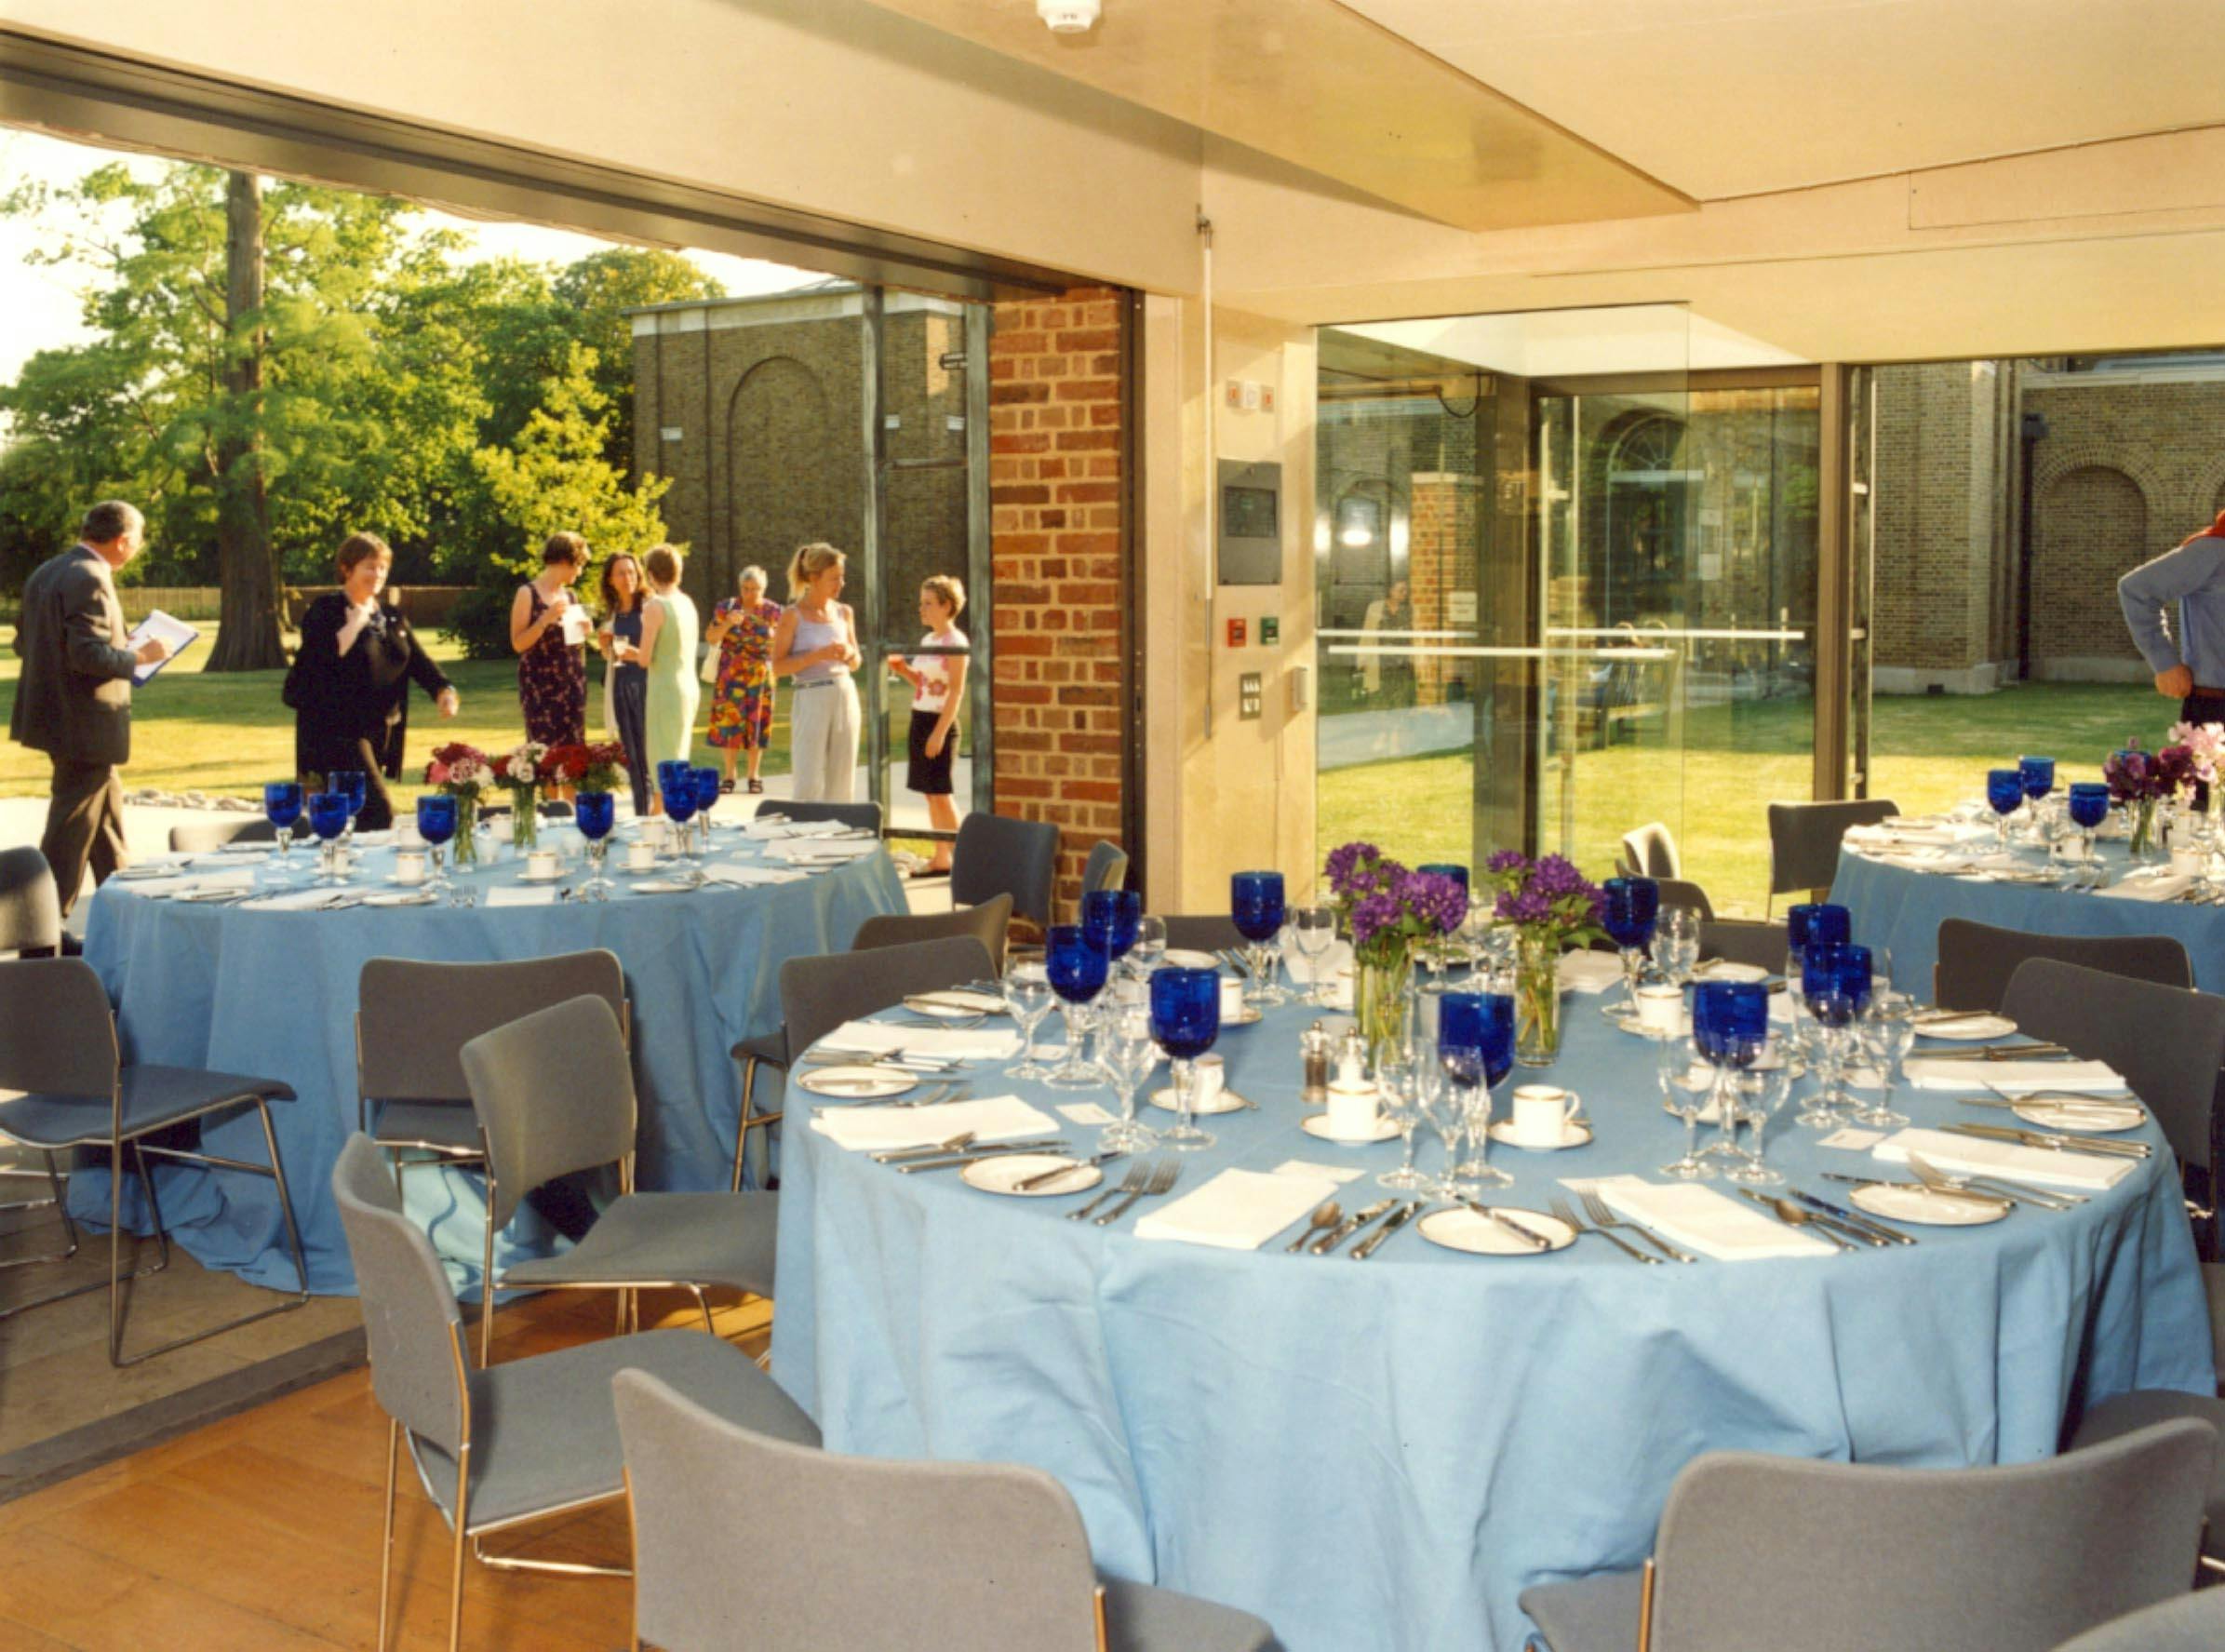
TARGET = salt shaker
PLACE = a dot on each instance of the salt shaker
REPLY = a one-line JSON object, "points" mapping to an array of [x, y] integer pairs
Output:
{"points": [[1352, 1061], [1313, 1049]]}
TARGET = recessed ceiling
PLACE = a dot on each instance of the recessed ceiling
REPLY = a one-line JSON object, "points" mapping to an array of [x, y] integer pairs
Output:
{"points": [[1722, 97], [1313, 83]]}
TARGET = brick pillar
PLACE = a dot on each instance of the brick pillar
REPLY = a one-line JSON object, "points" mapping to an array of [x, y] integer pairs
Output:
{"points": [[1056, 448], [1441, 572]]}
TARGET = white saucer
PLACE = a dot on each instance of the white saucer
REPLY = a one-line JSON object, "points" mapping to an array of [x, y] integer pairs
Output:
{"points": [[1976, 1031], [663, 886], [555, 877], [1227, 1101], [1247, 1017], [1463, 1230], [855, 1083], [395, 877], [1723, 969], [1572, 1135], [956, 1004], [1177, 958], [1317, 1124], [1002, 1175], [1920, 1204]]}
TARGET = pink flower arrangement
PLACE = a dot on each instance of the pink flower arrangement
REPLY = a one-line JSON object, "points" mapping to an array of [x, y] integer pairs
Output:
{"points": [[519, 769], [2206, 744], [459, 770]]}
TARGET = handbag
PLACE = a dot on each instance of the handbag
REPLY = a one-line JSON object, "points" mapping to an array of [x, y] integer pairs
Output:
{"points": [[708, 670]]}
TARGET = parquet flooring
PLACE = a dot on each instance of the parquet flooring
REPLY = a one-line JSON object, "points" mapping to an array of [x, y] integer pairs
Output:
{"points": [[262, 1531]]}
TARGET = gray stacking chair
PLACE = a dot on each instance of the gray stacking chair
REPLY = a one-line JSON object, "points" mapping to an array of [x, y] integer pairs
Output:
{"points": [[413, 1020], [2145, 1410], [1756, 1550], [995, 855], [30, 905], [1106, 868], [1650, 852], [1679, 892], [530, 1438], [1803, 841], [554, 1092], [988, 924], [205, 837], [1203, 932], [845, 985], [1977, 959], [864, 817], [57, 1046], [1743, 940], [811, 1550], [2190, 1623]]}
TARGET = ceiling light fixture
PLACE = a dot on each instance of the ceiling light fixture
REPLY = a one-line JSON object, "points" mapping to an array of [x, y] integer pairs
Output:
{"points": [[1068, 17]]}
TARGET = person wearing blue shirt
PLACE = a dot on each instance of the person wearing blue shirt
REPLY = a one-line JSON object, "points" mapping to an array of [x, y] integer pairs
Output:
{"points": [[2175, 608]]}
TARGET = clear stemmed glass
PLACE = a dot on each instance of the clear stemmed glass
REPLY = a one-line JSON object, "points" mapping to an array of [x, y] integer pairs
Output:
{"points": [[2036, 775], [1630, 911], [1397, 1077], [282, 807], [595, 814], [2004, 796], [2088, 807], [355, 785], [1887, 1033], [436, 824], [1255, 906], [679, 809], [1676, 943], [1316, 928], [1186, 1019], [1475, 1042], [327, 819], [1027, 992], [1150, 946], [1127, 1054], [1686, 1080], [1444, 1107], [1762, 1092], [705, 784], [1078, 966], [1475, 929]]}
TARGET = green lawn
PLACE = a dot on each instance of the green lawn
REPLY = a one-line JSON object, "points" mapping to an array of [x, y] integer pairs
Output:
{"points": [[1925, 753]]}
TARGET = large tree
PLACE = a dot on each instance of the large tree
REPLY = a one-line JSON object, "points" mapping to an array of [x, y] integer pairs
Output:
{"points": [[247, 565]]}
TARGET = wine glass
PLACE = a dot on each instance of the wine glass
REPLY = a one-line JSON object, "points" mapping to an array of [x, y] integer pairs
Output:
{"points": [[679, 808], [1150, 945], [1398, 1099], [327, 819], [2005, 795], [1475, 1046], [282, 807], [1316, 931], [2089, 808], [2036, 775], [1675, 943], [706, 785], [355, 785], [1255, 906], [1185, 1018], [1834, 987], [436, 824], [1112, 918], [1127, 1054], [1027, 994], [1887, 1033], [1475, 929], [1440, 947], [1685, 1082], [595, 814], [1763, 1091], [1730, 1023], [1630, 912], [1078, 967]]}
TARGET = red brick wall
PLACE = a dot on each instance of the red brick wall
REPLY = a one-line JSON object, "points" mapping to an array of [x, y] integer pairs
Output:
{"points": [[1055, 445]]}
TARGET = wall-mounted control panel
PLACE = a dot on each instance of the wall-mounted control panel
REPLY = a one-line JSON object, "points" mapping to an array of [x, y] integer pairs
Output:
{"points": [[1248, 523]]}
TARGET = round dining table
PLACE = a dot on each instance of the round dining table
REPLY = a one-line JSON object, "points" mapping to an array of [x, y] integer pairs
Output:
{"points": [[235, 985], [1384, 1454], [1899, 904]]}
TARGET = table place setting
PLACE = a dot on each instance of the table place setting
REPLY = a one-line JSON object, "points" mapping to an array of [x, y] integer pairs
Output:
{"points": [[1237, 1210], [989, 1120], [728, 872], [1703, 1220], [1952, 1150], [878, 1039], [2013, 1070]]}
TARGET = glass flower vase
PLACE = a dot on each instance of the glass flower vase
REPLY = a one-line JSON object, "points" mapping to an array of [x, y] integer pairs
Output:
{"points": [[2146, 842], [525, 819], [1538, 1001], [464, 849], [1380, 1000]]}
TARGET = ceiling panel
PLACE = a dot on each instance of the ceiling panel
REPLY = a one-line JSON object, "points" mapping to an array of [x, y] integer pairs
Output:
{"points": [[1736, 96]]}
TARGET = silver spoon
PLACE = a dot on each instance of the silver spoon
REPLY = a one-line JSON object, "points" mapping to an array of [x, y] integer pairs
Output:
{"points": [[1324, 1217]]}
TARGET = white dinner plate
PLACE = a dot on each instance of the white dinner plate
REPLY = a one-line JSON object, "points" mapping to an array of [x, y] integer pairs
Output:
{"points": [[855, 1083], [1462, 1229], [1317, 1125], [1724, 969], [400, 897], [1976, 1031], [1920, 1204], [2083, 1118], [1004, 1174], [663, 886], [1227, 1101], [956, 1004], [148, 869], [1179, 958], [555, 877], [1572, 1135]]}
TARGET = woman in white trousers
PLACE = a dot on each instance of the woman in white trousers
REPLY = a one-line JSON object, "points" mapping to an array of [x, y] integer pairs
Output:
{"points": [[815, 644]]}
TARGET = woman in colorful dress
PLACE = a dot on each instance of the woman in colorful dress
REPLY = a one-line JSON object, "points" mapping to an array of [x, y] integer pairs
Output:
{"points": [[549, 629], [668, 630], [742, 702]]}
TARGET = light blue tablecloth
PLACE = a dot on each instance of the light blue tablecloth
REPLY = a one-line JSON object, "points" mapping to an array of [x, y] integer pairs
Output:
{"points": [[1896, 907], [1383, 1455], [273, 993]]}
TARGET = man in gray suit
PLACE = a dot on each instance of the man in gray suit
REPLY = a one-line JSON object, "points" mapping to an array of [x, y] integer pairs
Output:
{"points": [[74, 700]]}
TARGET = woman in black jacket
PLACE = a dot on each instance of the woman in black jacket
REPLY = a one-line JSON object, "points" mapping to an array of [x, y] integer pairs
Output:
{"points": [[350, 682]]}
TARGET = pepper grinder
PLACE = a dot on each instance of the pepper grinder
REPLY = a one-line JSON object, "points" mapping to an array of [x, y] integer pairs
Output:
{"points": [[1313, 1049]]}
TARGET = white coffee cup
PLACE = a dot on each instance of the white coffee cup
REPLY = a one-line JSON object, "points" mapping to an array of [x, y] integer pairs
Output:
{"points": [[409, 866], [541, 863], [2187, 861], [1542, 1112], [1352, 1111], [1212, 1077], [1661, 1007], [641, 856], [1232, 998]]}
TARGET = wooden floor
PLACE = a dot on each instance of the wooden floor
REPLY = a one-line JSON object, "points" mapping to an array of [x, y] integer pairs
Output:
{"points": [[262, 1531]]}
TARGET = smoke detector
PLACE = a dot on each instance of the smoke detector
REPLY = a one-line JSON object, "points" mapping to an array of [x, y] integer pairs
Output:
{"points": [[1070, 17]]}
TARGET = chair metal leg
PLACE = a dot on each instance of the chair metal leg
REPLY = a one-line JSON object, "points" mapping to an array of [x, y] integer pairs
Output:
{"points": [[61, 1208], [394, 1451], [487, 1281], [456, 1564], [702, 1306], [749, 1089], [163, 1250]]}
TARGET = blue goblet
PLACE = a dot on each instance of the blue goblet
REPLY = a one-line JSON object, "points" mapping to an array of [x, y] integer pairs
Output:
{"points": [[327, 819], [1825, 996], [595, 814], [705, 781], [2037, 776], [1185, 1018], [1255, 906], [436, 824], [282, 808], [2005, 795], [1475, 1046], [1630, 909], [679, 809], [1078, 966], [2089, 807], [1730, 1023], [355, 785], [1816, 922], [1112, 918]]}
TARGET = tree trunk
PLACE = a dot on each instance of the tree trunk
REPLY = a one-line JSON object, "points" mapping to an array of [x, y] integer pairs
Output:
{"points": [[247, 639]]}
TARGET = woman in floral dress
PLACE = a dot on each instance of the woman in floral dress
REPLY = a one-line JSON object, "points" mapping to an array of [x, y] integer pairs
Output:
{"points": [[742, 702], [549, 629]]}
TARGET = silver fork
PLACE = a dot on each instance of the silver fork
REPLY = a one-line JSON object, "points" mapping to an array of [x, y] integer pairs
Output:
{"points": [[1162, 1178], [1604, 1218], [1138, 1174], [1567, 1213]]}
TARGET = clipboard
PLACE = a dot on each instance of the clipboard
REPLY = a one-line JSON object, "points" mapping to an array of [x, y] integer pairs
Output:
{"points": [[170, 629]]}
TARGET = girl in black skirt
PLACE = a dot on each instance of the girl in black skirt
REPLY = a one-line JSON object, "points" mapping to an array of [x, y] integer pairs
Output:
{"points": [[938, 690]]}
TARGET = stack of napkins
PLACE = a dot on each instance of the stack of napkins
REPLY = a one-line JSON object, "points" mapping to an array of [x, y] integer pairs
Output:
{"points": [[1972, 1155], [727, 872], [2014, 1078], [955, 1043], [2167, 886], [522, 894], [1239, 1210], [883, 1129], [1590, 972], [1701, 1219]]}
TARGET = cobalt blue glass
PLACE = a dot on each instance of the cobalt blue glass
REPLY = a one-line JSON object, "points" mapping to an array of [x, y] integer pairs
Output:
{"points": [[1078, 965], [1185, 1018], [595, 814], [352, 784], [2089, 803], [1457, 874], [2005, 793], [1475, 1046], [1631, 908], [327, 819], [705, 781], [2036, 775], [671, 768], [436, 819], [1256, 907], [282, 807], [1821, 984], [1111, 917], [1854, 975], [679, 798], [1730, 1021]]}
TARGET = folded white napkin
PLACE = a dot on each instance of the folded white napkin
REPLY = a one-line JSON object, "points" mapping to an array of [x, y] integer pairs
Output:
{"points": [[1924, 860], [2170, 886], [959, 1043], [1911, 834], [157, 885], [1337, 959], [880, 1129], [772, 826], [2089, 1078], [1701, 1219], [727, 872], [1590, 972], [1972, 1155], [822, 855], [1239, 1210], [297, 900], [522, 894]]}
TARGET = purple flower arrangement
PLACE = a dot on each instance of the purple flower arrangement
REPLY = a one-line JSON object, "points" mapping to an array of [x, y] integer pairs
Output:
{"points": [[2137, 776], [1547, 899], [1390, 906]]}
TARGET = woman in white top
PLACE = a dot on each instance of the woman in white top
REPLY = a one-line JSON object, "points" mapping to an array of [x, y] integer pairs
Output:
{"points": [[938, 690], [816, 644], [668, 633]]}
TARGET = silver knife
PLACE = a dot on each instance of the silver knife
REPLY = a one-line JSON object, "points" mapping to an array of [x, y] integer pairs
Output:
{"points": [[1001, 1151], [1994, 1200], [1861, 1224], [1999, 1052], [1398, 1219], [2100, 1146], [1534, 1240], [1349, 1225], [1029, 1183]]}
